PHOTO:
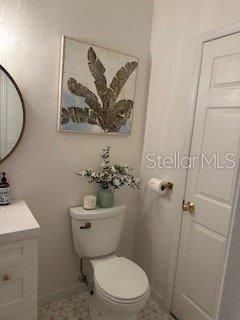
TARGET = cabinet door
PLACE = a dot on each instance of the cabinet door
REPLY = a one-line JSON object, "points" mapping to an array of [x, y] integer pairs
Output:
{"points": [[18, 252], [18, 289], [26, 315]]}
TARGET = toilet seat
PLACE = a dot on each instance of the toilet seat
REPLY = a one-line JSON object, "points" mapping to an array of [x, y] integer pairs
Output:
{"points": [[121, 280], [121, 301]]}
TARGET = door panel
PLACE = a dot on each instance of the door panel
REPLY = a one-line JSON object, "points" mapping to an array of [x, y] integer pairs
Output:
{"points": [[210, 182], [225, 73], [202, 293], [210, 177], [19, 293]]}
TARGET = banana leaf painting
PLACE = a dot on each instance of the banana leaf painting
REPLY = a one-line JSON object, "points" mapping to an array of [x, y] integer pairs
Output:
{"points": [[97, 89]]}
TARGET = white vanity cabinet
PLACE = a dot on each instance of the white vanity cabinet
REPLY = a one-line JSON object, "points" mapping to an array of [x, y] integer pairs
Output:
{"points": [[19, 233]]}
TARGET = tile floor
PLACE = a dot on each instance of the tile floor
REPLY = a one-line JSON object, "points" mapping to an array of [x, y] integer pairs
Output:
{"points": [[75, 307]]}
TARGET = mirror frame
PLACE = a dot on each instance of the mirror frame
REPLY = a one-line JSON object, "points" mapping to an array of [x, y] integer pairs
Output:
{"points": [[23, 110]]}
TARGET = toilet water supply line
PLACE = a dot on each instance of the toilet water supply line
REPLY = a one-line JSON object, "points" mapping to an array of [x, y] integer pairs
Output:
{"points": [[82, 277]]}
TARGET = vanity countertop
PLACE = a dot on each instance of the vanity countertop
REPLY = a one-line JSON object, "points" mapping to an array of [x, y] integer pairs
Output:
{"points": [[17, 222]]}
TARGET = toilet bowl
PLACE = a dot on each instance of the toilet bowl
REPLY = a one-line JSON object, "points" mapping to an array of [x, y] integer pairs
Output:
{"points": [[121, 287]]}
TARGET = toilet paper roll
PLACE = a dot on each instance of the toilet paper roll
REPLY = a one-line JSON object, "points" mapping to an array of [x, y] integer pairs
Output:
{"points": [[158, 185]]}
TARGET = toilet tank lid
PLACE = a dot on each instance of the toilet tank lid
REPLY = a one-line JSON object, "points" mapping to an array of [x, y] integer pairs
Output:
{"points": [[98, 213]]}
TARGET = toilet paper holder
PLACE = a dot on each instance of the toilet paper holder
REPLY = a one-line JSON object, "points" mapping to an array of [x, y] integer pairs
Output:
{"points": [[160, 185], [168, 185]]}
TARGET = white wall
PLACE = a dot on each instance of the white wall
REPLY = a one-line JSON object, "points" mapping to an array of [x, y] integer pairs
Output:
{"points": [[41, 169], [176, 25]]}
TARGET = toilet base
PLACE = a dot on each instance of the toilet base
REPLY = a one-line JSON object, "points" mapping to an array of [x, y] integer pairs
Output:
{"points": [[97, 311]]}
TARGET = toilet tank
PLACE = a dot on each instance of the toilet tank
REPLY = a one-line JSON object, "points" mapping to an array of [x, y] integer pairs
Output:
{"points": [[97, 232]]}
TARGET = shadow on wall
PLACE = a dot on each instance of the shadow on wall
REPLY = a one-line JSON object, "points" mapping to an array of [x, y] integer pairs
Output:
{"points": [[150, 222]]}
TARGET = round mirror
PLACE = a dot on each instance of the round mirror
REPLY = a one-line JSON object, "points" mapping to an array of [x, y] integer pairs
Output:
{"points": [[12, 114]]}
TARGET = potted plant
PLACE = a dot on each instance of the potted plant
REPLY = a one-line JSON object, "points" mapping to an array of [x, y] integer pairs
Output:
{"points": [[110, 178]]}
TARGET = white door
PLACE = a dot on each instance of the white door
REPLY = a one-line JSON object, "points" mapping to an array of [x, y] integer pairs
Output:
{"points": [[216, 136]]}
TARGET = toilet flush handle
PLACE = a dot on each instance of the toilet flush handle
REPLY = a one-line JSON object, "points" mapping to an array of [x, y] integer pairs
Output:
{"points": [[86, 226]]}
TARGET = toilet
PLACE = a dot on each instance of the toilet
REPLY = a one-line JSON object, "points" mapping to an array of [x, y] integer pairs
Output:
{"points": [[121, 287]]}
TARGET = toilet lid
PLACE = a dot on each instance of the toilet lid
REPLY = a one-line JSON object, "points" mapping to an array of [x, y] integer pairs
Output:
{"points": [[121, 278]]}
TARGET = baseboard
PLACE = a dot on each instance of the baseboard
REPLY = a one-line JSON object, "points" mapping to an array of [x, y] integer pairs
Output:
{"points": [[157, 296], [62, 293]]}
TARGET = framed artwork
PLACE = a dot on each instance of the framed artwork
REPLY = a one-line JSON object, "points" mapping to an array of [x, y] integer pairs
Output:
{"points": [[97, 89]]}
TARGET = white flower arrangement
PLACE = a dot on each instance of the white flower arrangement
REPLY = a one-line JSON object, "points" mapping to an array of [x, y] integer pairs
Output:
{"points": [[111, 176]]}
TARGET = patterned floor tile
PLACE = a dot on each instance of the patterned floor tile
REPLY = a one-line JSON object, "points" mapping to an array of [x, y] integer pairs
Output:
{"points": [[76, 306]]}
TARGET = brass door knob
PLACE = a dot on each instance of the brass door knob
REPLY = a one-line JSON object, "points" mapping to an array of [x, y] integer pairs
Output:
{"points": [[6, 277], [188, 206]]}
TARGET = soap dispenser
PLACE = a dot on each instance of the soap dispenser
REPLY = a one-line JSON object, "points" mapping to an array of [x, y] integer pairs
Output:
{"points": [[5, 197]]}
